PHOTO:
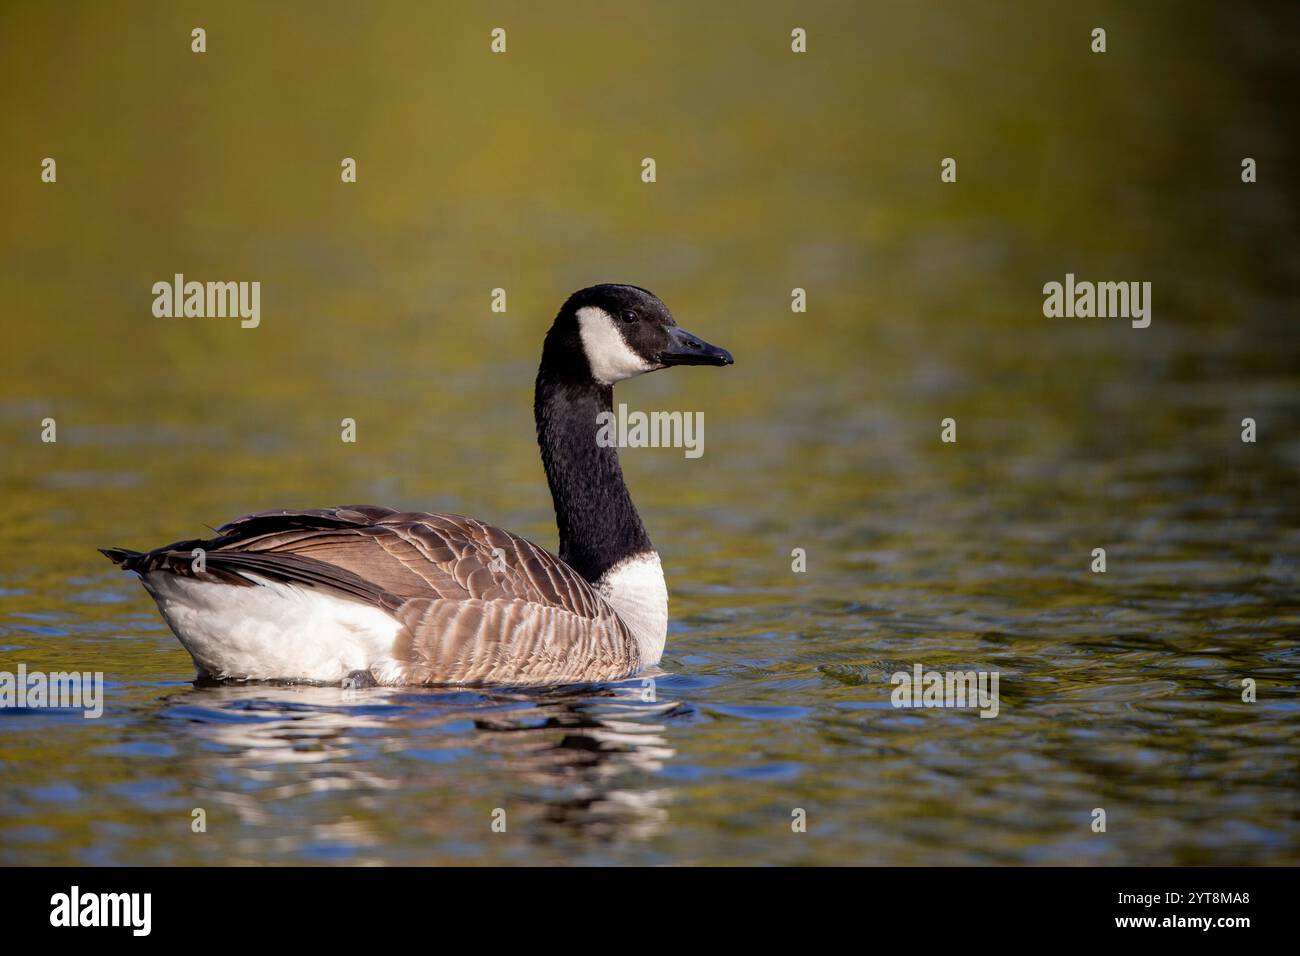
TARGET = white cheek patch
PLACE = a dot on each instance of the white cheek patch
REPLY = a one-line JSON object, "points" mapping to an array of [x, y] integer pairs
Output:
{"points": [[609, 356]]}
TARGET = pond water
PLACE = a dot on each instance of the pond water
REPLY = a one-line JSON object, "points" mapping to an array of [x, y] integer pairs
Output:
{"points": [[1120, 690]]}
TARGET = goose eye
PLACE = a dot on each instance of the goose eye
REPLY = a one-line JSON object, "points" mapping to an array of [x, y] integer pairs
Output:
{"points": [[629, 316]]}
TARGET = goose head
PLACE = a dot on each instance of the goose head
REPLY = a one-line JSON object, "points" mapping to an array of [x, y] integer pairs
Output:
{"points": [[608, 333]]}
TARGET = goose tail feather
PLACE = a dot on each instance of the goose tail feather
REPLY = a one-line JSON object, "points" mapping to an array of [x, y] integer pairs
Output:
{"points": [[123, 557]]}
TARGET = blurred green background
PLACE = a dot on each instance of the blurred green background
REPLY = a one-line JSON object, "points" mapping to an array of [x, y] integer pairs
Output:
{"points": [[775, 171]]}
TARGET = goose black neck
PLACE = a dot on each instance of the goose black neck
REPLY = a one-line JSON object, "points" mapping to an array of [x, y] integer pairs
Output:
{"points": [[599, 526]]}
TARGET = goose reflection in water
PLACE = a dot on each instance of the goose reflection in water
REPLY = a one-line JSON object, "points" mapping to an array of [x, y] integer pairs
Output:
{"points": [[576, 760]]}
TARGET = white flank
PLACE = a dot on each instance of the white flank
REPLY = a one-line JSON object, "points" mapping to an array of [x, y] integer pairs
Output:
{"points": [[635, 588], [272, 631], [609, 356]]}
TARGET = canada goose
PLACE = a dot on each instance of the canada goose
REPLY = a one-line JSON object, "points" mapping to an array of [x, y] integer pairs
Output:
{"points": [[369, 594]]}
